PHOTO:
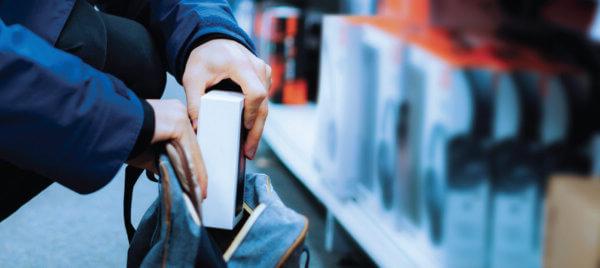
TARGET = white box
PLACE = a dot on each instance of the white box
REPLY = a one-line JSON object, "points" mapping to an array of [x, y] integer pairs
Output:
{"points": [[440, 109], [344, 109], [465, 214], [390, 117], [220, 135], [515, 210]]}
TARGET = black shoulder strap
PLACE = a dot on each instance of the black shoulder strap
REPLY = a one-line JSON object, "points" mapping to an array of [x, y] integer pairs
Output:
{"points": [[131, 176]]}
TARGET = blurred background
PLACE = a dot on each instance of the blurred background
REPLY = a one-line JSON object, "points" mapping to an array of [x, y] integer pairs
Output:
{"points": [[455, 133], [412, 133]]}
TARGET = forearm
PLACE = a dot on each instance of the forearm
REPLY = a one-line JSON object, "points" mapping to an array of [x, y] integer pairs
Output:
{"points": [[61, 118]]}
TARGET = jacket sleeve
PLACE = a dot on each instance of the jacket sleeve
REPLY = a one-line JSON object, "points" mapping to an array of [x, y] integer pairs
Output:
{"points": [[60, 117], [183, 25]]}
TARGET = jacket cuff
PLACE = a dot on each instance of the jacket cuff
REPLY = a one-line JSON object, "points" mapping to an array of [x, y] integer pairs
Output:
{"points": [[146, 132]]}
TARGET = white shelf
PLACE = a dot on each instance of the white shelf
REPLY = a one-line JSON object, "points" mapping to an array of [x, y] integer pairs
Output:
{"points": [[290, 131]]}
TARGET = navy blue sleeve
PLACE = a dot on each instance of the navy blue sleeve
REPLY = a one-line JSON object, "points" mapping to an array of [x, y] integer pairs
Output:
{"points": [[60, 117], [183, 25]]}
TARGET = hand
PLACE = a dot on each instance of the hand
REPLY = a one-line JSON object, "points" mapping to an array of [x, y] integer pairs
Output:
{"points": [[172, 125], [220, 59]]}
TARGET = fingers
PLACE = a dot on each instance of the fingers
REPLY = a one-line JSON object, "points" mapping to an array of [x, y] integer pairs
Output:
{"points": [[255, 92], [198, 163], [195, 86], [252, 141], [262, 70], [255, 133], [168, 115]]}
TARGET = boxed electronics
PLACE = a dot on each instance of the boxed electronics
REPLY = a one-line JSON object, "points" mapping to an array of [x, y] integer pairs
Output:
{"points": [[516, 177], [344, 109], [534, 114], [221, 137], [452, 93], [382, 48], [572, 223], [465, 213], [440, 108]]}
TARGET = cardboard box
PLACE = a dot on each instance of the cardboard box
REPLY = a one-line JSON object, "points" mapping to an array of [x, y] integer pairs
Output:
{"points": [[221, 135], [572, 223]]}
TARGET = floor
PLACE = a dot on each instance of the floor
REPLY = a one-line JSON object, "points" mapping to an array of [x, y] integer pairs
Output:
{"points": [[60, 228]]}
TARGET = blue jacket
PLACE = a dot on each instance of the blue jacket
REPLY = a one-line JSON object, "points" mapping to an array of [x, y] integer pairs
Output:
{"points": [[65, 120]]}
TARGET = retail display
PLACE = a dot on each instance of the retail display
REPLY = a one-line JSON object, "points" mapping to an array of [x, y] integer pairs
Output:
{"points": [[444, 120]]}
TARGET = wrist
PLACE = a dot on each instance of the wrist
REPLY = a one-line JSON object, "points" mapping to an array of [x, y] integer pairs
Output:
{"points": [[146, 133]]}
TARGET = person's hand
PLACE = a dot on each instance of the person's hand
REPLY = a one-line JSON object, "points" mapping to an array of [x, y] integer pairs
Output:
{"points": [[221, 59], [172, 124]]}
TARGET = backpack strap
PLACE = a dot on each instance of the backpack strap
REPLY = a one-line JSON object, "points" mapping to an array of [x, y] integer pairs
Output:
{"points": [[307, 251], [182, 162], [131, 176]]}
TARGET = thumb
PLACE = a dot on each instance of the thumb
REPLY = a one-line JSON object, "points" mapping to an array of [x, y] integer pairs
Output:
{"points": [[193, 106]]}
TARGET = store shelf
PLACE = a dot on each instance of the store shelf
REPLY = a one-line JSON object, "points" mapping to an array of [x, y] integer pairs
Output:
{"points": [[290, 131]]}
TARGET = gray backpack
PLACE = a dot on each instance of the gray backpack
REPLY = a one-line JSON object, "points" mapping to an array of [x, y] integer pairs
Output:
{"points": [[170, 233]]}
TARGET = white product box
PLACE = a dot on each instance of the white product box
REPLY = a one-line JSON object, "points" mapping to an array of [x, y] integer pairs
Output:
{"points": [[556, 112], [390, 145], [440, 109], [344, 110], [465, 225], [506, 116], [220, 135], [465, 216], [515, 210], [514, 229]]}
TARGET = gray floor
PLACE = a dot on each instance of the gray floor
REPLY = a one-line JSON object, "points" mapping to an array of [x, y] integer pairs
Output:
{"points": [[60, 228]]}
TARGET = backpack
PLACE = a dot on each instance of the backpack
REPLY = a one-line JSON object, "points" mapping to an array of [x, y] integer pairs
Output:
{"points": [[170, 233]]}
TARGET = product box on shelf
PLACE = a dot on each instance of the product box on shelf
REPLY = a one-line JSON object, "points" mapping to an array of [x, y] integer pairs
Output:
{"points": [[516, 175], [382, 52], [454, 123], [341, 153], [465, 218], [572, 222], [440, 109], [530, 117]]}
